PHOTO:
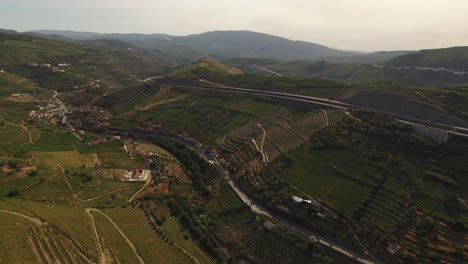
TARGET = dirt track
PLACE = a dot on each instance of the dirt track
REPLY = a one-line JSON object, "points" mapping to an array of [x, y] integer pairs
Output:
{"points": [[129, 242]]}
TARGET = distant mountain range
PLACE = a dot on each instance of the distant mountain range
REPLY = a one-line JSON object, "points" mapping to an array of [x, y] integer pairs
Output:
{"points": [[223, 45], [265, 54], [421, 68]]}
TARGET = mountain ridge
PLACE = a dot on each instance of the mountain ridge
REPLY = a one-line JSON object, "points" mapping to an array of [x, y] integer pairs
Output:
{"points": [[229, 44]]}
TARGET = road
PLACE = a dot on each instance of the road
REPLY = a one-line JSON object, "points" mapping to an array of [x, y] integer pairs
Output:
{"points": [[267, 70], [148, 180], [318, 101], [62, 108], [102, 254], [326, 117], [34, 220], [153, 78]]}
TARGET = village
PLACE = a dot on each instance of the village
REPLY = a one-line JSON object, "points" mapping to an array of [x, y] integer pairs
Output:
{"points": [[422, 68], [48, 66]]}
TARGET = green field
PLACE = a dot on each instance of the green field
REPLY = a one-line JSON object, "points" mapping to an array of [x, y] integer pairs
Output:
{"points": [[152, 248], [172, 229], [113, 242], [66, 158]]}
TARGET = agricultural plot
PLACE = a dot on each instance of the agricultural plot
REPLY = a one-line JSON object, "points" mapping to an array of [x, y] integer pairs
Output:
{"points": [[164, 95], [73, 221], [15, 112], [381, 184], [21, 99], [273, 135], [228, 197], [120, 160], [203, 115], [55, 140], [14, 243], [114, 245], [107, 191], [13, 135], [258, 246], [335, 177], [155, 149], [25, 242], [172, 229], [66, 158], [253, 107], [151, 247]]}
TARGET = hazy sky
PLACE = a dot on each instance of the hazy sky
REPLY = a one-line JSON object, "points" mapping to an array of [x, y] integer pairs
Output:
{"points": [[364, 25]]}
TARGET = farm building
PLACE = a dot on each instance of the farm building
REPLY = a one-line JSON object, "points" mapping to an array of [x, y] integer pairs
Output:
{"points": [[268, 225], [307, 203], [392, 249]]}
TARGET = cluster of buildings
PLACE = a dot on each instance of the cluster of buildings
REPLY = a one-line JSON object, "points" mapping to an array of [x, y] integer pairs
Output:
{"points": [[211, 152], [50, 110], [149, 128], [134, 150], [49, 66], [422, 68], [95, 141]]}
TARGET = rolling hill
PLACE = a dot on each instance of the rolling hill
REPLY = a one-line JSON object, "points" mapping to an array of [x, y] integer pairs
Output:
{"points": [[449, 58], [217, 44], [38, 60], [422, 68]]}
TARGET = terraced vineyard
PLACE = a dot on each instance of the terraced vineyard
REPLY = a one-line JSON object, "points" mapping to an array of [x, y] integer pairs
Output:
{"points": [[152, 248], [22, 241], [114, 245], [273, 135], [164, 95]]}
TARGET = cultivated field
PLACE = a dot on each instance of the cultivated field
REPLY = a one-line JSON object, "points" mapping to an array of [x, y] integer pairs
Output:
{"points": [[172, 229], [66, 158], [151, 247], [258, 246], [273, 135], [23, 241]]}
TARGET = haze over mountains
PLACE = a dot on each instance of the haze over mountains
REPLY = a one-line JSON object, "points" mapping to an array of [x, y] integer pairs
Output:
{"points": [[224, 45], [253, 51]]}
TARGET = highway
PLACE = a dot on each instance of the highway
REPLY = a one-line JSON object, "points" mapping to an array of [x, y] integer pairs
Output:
{"points": [[454, 130]]}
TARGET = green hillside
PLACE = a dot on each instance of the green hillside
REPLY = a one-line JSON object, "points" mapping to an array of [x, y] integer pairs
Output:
{"points": [[21, 55], [450, 58], [203, 68], [376, 181], [422, 68]]}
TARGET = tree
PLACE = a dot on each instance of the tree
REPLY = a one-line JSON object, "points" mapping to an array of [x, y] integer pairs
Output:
{"points": [[13, 193], [426, 229]]}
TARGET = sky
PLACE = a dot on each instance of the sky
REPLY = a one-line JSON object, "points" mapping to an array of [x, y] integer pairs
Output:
{"points": [[360, 25]]}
